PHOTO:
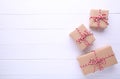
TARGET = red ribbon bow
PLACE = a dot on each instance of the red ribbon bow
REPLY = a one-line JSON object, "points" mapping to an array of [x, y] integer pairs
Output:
{"points": [[97, 62], [83, 36], [100, 17]]}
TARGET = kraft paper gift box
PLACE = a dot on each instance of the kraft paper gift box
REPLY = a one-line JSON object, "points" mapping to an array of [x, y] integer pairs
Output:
{"points": [[98, 18], [82, 37], [97, 60]]}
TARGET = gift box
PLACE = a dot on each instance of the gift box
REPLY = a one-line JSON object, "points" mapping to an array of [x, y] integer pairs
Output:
{"points": [[97, 60], [98, 19], [82, 37]]}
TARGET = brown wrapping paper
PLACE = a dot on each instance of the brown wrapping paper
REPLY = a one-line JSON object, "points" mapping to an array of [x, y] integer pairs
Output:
{"points": [[87, 38], [97, 60], [100, 22]]}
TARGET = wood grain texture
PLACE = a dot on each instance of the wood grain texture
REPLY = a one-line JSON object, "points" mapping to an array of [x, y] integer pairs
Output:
{"points": [[35, 42]]}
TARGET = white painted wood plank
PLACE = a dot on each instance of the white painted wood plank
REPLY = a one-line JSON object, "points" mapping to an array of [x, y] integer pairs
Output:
{"points": [[55, 6], [38, 51], [43, 21], [45, 52], [48, 21], [56, 77], [33, 36], [58, 68]]}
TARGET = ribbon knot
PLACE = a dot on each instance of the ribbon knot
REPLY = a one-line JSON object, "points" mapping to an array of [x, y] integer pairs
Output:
{"points": [[100, 17], [83, 36], [97, 62]]}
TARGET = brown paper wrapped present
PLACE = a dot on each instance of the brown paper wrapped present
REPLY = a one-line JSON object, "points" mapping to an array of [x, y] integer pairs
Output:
{"points": [[97, 60], [98, 18], [82, 37]]}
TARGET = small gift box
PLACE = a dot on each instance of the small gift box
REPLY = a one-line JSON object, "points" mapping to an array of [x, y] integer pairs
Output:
{"points": [[82, 37], [97, 60], [98, 19]]}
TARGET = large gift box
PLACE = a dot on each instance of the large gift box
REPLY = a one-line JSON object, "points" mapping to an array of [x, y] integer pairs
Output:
{"points": [[97, 60]]}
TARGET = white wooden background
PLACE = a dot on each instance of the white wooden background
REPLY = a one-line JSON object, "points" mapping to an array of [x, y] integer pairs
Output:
{"points": [[35, 42]]}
